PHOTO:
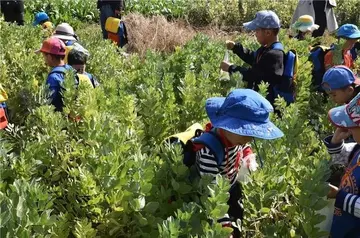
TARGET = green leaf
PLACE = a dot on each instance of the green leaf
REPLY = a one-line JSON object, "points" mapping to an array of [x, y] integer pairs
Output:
{"points": [[151, 207], [265, 210]]}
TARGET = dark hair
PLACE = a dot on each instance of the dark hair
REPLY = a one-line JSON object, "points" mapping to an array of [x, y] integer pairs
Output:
{"points": [[275, 31], [355, 86], [57, 57], [77, 57]]}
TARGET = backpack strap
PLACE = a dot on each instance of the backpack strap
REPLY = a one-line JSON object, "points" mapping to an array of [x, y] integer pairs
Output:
{"points": [[213, 143], [277, 46], [59, 70], [274, 46]]}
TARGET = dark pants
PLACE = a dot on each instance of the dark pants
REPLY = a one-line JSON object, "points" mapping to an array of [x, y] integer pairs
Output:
{"points": [[236, 209], [13, 11], [320, 17], [105, 12]]}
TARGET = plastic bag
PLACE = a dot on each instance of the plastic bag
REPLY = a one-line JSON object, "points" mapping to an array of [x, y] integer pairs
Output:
{"points": [[328, 212], [225, 76]]}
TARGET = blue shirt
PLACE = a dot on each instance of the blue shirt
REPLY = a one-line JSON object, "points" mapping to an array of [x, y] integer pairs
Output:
{"points": [[55, 80]]}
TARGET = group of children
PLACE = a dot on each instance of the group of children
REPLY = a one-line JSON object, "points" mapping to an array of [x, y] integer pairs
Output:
{"points": [[244, 114], [243, 122], [62, 52]]}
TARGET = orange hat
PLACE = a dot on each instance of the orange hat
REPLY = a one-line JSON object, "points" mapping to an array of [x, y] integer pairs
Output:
{"points": [[53, 46]]}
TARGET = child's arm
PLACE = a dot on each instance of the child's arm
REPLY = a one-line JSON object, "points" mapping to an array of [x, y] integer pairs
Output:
{"points": [[246, 55], [206, 162], [55, 93], [348, 202], [338, 150]]}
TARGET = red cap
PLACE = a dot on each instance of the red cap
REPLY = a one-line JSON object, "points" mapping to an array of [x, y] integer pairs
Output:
{"points": [[53, 46]]}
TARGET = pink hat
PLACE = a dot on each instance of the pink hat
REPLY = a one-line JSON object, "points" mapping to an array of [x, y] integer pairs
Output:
{"points": [[52, 46]]}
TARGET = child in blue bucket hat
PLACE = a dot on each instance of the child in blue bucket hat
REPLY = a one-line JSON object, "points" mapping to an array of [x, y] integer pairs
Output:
{"points": [[341, 84], [349, 34], [237, 119], [346, 218], [42, 19], [267, 63]]}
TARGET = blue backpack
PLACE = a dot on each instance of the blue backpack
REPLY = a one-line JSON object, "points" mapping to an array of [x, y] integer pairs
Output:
{"points": [[286, 89], [316, 57], [194, 139]]}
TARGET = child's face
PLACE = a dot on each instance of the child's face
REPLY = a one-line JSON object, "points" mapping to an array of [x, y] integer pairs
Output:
{"points": [[349, 43], [264, 36], [48, 59], [235, 139], [341, 96]]}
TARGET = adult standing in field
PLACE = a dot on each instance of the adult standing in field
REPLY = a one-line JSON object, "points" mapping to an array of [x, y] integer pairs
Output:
{"points": [[13, 11], [321, 10], [109, 8]]}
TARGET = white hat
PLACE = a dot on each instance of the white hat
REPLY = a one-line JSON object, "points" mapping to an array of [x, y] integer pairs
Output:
{"points": [[305, 23], [65, 32]]}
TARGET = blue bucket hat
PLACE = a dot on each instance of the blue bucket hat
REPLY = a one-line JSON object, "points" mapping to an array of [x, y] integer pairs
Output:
{"points": [[339, 77], [263, 19], [347, 116], [243, 112], [349, 31], [39, 17]]}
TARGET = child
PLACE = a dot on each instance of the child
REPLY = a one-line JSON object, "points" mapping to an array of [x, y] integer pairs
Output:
{"points": [[346, 219], [341, 84], [341, 54], [67, 34], [268, 65], [77, 60], [3, 112], [303, 26], [236, 119], [42, 19], [53, 51], [108, 9]]}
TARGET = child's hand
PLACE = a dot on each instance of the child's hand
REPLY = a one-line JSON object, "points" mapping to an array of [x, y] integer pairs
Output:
{"points": [[340, 135], [225, 66], [333, 191], [230, 44]]}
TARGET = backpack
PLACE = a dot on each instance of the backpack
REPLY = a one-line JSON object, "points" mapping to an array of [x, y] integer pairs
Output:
{"points": [[116, 31], [317, 58], [3, 117], [194, 139], [85, 78], [355, 51], [60, 70], [286, 89]]}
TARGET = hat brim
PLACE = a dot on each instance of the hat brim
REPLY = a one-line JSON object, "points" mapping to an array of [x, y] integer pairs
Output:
{"points": [[266, 130], [340, 118], [47, 52], [251, 25], [356, 35], [64, 37], [307, 28]]}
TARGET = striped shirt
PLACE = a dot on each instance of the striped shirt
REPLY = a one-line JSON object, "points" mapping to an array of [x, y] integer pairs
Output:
{"points": [[206, 162]]}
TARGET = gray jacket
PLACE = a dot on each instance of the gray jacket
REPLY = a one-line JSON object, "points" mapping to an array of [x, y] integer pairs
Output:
{"points": [[305, 7]]}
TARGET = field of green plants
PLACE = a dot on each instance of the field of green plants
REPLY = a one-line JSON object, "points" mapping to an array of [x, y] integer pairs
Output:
{"points": [[108, 175], [200, 12]]}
